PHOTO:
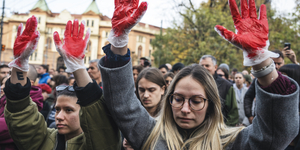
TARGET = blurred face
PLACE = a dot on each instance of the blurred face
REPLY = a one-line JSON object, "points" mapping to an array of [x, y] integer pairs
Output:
{"points": [[94, 71], [71, 82], [279, 62], [67, 116], [207, 63], [3, 86], [150, 93], [168, 81], [41, 70], [142, 62], [221, 73], [239, 79], [4, 72], [186, 117], [163, 70], [135, 74]]}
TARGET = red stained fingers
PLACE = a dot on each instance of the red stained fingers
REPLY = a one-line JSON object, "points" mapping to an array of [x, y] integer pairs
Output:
{"points": [[75, 28], [134, 3], [20, 27], [228, 35], [56, 38], [26, 30], [68, 30], [252, 9], [234, 11], [31, 26], [244, 9], [263, 15], [117, 3], [140, 11], [81, 30], [87, 35]]}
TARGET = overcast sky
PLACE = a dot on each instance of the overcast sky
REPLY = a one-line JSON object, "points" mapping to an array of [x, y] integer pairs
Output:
{"points": [[157, 9]]}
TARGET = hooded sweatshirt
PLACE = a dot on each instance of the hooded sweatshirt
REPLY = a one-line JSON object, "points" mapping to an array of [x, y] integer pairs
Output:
{"points": [[6, 142]]}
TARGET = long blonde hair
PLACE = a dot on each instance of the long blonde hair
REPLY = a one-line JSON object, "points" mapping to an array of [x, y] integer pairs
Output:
{"points": [[211, 134]]}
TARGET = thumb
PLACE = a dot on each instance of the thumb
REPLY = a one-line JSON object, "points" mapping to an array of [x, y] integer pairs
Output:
{"points": [[226, 34]]}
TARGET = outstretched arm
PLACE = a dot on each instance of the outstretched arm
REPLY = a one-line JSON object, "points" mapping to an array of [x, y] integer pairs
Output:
{"points": [[274, 92], [73, 49]]}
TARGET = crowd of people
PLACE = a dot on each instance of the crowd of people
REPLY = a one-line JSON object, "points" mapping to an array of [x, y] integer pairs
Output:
{"points": [[114, 105]]}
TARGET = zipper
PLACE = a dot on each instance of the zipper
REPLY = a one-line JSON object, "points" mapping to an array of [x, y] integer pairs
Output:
{"points": [[66, 145]]}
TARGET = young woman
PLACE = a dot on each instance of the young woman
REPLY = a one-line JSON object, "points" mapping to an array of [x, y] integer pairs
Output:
{"points": [[240, 90], [191, 116], [168, 78]]}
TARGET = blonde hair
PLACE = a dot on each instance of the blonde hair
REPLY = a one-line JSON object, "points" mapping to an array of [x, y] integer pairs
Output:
{"points": [[211, 134]]}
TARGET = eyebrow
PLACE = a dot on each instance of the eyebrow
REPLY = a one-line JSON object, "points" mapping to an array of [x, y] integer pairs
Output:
{"points": [[191, 96]]}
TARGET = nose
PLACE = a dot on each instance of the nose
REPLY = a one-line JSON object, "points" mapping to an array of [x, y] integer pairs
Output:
{"points": [[60, 116], [89, 70], [186, 107], [146, 94]]}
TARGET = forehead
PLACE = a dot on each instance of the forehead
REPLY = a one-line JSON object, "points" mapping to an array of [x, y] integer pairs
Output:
{"points": [[188, 86], [206, 61], [5, 69], [144, 83], [278, 60], [66, 101], [220, 71], [238, 75], [93, 64]]}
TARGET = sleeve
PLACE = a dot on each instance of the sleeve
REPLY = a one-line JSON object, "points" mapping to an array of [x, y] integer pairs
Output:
{"points": [[27, 127], [97, 124], [231, 107], [4, 135], [248, 99], [131, 117], [276, 123]]}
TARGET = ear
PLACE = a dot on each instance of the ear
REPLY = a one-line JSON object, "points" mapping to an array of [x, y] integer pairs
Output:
{"points": [[163, 88], [216, 67]]}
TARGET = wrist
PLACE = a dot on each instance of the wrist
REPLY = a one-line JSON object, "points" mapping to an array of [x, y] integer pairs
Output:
{"points": [[119, 51]]}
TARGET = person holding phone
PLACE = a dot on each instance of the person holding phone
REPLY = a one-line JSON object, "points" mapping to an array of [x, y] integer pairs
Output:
{"points": [[289, 53]]}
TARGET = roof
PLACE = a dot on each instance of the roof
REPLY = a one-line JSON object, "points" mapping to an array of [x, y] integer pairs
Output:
{"points": [[93, 7], [42, 5]]}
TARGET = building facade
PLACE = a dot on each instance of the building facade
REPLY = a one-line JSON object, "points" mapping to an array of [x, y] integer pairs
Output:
{"points": [[48, 22]]}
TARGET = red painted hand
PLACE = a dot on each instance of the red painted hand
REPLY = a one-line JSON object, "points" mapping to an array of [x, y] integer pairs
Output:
{"points": [[74, 46], [25, 44], [127, 14], [251, 33]]}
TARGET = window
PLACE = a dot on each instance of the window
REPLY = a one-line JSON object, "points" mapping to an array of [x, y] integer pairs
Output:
{"points": [[89, 46], [49, 31], [92, 23], [62, 32], [87, 23], [39, 20], [106, 34], [149, 53], [140, 39], [49, 41], [140, 48], [17, 28]]}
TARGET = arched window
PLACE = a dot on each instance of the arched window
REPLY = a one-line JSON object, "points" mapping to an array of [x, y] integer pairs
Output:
{"points": [[49, 43], [89, 46], [140, 48]]}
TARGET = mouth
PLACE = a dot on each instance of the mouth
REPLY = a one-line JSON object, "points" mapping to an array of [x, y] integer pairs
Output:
{"points": [[185, 119], [59, 126], [146, 101]]}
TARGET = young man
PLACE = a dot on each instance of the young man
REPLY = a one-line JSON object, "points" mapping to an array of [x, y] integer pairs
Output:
{"points": [[4, 71], [43, 71], [28, 127]]}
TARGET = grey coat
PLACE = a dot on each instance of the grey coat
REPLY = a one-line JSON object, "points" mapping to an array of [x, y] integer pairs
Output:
{"points": [[274, 127]]}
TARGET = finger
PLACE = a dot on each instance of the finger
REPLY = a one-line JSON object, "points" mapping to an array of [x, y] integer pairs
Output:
{"points": [[75, 28], [135, 3], [87, 35], [252, 9], [20, 28], [57, 40], [226, 34], [33, 25], [244, 9], [25, 32], [263, 14], [234, 11], [139, 13], [117, 3], [81, 30], [68, 30]]}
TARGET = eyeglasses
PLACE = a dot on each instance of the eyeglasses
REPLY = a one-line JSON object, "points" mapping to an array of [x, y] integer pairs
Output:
{"points": [[64, 87], [221, 75], [196, 102]]}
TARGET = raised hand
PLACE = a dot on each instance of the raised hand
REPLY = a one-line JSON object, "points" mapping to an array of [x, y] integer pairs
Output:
{"points": [[251, 33], [25, 44], [126, 15], [73, 48]]}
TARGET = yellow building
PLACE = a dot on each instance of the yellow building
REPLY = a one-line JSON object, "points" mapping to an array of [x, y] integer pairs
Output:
{"points": [[48, 22]]}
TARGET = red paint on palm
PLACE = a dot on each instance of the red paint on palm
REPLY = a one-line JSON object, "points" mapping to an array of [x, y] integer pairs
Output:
{"points": [[252, 33], [127, 14], [26, 37], [73, 45]]}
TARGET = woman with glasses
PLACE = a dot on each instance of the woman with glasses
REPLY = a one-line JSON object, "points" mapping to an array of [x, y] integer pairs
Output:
{"points": [[168, 78], [191, 116]]}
